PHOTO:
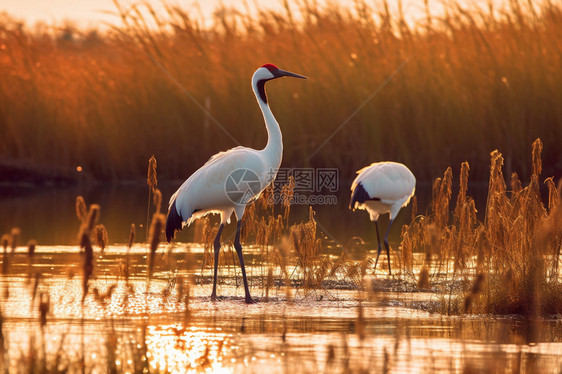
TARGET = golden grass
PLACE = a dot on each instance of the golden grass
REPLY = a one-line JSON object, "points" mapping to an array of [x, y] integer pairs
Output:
{"points": [[513, 254], [478, 80]]}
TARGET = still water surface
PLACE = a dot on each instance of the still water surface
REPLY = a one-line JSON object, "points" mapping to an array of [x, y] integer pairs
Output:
{"points": [[311, 331], [48, 214]]}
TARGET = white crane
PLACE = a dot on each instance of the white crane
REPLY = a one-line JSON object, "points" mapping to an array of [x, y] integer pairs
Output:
{"points": [[231, 179], [382, 187]]}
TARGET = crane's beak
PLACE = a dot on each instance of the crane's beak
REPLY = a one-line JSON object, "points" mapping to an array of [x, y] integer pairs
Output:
{"points": [[282, 73]]}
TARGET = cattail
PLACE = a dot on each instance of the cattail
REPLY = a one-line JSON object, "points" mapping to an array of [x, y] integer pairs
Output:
{"points": [[14, 237], [496, 185], [31, 248], [93, 216], [435, 188], [442, 190], [157, 198], [152, 178], [152, 181], [295, 239], [553, 198], [516, 185], [481, 247], [101, 236], [44, 306], [132, 234], [86, 228], [537, 161], [407, 245], [30, 251], [124, 269], [287, 193], [88, 262], [497, 182], [463, 186], [5, 258], [447, 185], [81, 210], [155, 232], [5, 242]]}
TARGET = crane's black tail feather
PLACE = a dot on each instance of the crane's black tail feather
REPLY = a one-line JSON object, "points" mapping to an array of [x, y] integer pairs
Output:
{"points": [[359, 195], [173, 222]]}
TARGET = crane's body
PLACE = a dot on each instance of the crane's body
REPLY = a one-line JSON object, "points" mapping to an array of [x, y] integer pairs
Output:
{"points": [[382, 187], [230, 180], [205, 191]]}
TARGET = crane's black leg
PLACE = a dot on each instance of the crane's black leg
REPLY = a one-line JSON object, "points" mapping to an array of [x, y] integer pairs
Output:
{"points": [[217, 250], [388, 246], [238, 248], [379, 244]]}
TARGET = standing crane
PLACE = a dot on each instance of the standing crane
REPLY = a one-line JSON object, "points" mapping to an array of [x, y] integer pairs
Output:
{"points": [[382, 187], [231, 179]]}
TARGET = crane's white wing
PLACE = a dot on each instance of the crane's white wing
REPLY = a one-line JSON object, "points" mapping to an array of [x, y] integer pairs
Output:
{"points": [[213, 187], [391, 182]]}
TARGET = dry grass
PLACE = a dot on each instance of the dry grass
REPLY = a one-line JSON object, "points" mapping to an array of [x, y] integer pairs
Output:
{"points": [[513, 254], [477, 80]]}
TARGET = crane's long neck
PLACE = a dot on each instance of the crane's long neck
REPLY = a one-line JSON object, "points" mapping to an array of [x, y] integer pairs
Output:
{"points": [[274, 147]]}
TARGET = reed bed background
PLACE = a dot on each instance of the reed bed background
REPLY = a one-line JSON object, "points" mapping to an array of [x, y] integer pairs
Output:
{"points": [[475, 80]]}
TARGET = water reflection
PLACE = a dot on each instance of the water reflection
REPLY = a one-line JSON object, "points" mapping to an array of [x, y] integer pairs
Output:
{"points": [[48, 214], [176, 349], [145, 323]]}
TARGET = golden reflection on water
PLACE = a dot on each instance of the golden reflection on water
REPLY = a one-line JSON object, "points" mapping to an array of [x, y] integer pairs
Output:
{"points": [[177, 349], [229, 336]]}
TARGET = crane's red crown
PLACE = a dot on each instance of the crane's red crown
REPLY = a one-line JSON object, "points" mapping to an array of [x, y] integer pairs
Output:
{"points": [[270, 67]]}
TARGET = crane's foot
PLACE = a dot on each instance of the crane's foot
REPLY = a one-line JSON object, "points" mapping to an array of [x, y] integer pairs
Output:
{"points": [[249, 300]]}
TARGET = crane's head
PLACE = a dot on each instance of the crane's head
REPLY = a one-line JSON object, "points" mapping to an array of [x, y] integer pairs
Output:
{"points": [[266, 73]]}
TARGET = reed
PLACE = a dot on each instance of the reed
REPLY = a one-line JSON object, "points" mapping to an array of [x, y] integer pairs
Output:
{"points": [[31, 245], [152, 182], [87, 251], [103, 93], [307, 248], [125, 265], [158, 221], [513, 254], [5, 254], [14, 238], [81, 209], [101, 236]]}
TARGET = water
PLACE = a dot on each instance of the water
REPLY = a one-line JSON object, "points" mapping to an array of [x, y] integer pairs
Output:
{"points": [[48, 214], [313, 331], [297, 330]]}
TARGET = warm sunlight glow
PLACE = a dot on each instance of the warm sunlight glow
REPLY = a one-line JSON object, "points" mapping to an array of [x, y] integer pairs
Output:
{"points": [[178, 349]]}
